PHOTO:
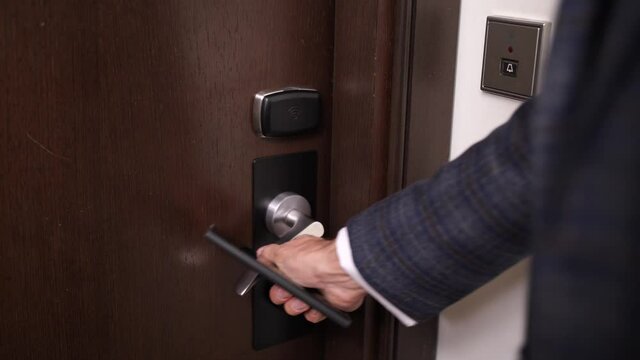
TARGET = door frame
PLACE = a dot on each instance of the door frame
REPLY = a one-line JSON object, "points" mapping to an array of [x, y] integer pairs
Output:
{"points": [[394, 76]]}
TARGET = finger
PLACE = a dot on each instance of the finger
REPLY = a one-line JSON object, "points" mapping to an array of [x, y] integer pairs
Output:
{"points": [[267, 254], [314, 316], [279, 295], [295, 306]]}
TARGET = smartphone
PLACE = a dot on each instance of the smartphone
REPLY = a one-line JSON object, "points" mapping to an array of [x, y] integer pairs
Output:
{"points": [[248, 259]]}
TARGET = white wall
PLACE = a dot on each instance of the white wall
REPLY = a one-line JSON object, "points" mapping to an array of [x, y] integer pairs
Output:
{"points": [[490, 323]]}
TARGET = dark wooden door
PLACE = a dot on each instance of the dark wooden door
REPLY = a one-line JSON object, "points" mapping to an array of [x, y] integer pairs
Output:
{"points": [[125, 131]]}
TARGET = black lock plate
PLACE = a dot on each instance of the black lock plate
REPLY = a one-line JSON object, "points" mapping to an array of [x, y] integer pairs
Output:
{"points": [[286, 112], [272, 176]]}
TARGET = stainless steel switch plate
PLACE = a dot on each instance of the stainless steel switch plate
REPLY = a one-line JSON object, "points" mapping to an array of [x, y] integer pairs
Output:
{"points": [[513, 56]]}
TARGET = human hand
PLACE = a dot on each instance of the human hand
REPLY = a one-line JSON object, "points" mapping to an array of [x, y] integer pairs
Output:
{"points": [[311, 262]]}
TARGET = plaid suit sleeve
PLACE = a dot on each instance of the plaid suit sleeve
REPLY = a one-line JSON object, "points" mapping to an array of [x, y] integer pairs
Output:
{"points": [[431, 244]]}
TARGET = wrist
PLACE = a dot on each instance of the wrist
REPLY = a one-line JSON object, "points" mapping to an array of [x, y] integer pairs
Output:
{"points": [[331, 272]]}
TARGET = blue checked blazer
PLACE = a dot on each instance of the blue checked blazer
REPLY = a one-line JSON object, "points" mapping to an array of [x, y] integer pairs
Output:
{"points": [[560, 180]]}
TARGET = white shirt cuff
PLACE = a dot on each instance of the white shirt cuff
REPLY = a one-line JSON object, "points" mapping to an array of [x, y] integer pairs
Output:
{"points": [[343, 248]]}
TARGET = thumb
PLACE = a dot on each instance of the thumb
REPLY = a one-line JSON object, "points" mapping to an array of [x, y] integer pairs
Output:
{"points": [[268, 254]]}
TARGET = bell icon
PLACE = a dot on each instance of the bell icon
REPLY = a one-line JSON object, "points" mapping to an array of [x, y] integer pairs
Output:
{"points": [[509, 68]]}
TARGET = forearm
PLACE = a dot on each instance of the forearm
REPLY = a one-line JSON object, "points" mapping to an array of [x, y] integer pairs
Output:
{"points": [[345, 256], [431, 244]]}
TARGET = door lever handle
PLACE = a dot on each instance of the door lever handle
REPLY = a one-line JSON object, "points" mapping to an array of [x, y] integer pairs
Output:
{"points": [[315, 302], [288, 216]]}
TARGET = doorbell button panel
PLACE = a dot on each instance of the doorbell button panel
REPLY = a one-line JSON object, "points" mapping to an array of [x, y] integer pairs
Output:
{"points": [[286, 112], [513, 53]]}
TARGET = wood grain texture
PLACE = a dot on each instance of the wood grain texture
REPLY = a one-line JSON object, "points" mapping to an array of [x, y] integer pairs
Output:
{"points": [[429, 115], [394, 77], [125, 132], [430, 107], [362, 78]]}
